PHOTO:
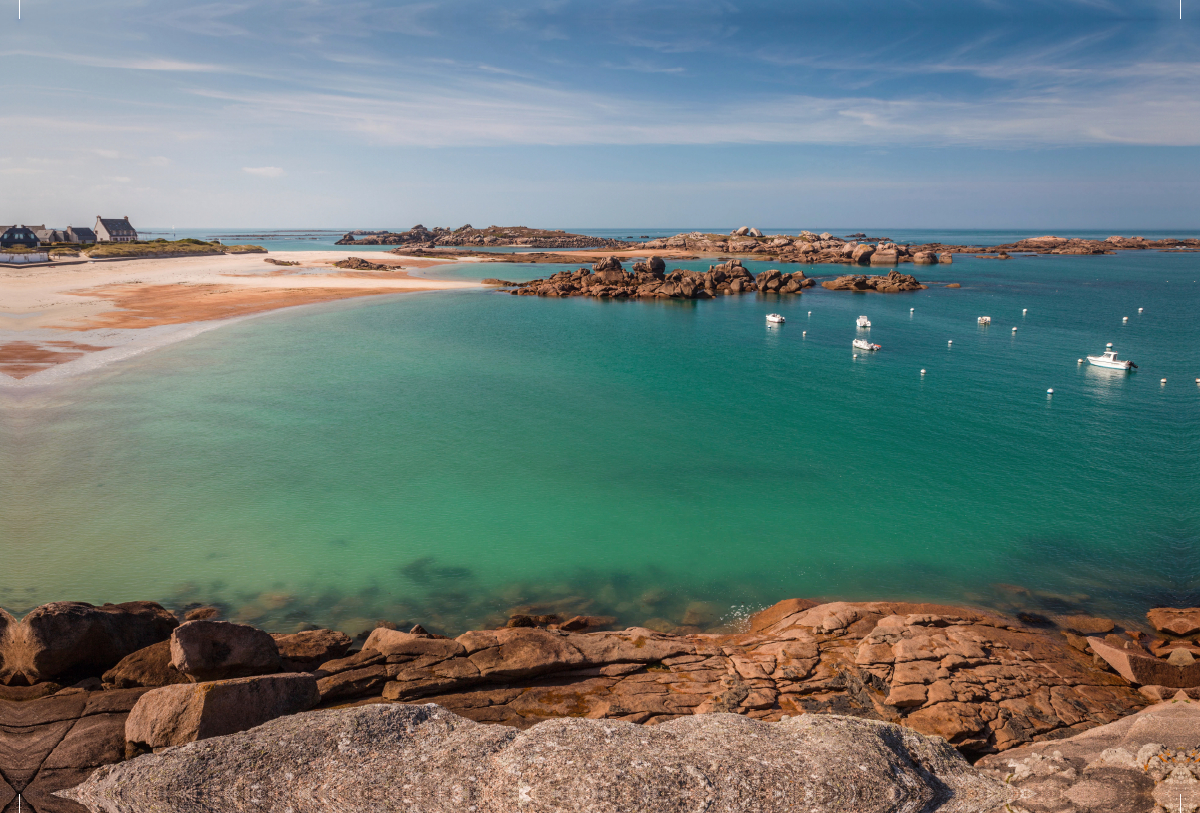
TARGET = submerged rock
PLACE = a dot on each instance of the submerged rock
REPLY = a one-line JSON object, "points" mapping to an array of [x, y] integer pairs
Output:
{"points": [[403, 757]]}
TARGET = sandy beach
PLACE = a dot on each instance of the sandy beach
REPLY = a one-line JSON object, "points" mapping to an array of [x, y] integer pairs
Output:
{"points": [[56, 321]]}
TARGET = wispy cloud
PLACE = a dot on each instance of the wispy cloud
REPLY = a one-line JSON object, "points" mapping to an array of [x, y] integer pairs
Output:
{"points": [[264, 172], [122, 63]]}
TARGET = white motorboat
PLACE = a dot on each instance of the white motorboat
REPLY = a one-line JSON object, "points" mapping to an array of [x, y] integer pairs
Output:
{"points": [[775, 318], [985, 320], [1109, 359], [863, 344], [863, 322]]}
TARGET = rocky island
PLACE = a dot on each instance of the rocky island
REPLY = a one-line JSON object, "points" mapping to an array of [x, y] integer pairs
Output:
{"points": [[82, 687], [649, 279], [419, 237]]}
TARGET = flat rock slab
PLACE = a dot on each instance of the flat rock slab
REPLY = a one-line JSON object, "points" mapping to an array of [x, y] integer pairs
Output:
{"points": [[403, 757]]}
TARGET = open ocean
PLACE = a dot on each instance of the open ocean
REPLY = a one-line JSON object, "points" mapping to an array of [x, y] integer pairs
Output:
{"points": [[445, 458]]}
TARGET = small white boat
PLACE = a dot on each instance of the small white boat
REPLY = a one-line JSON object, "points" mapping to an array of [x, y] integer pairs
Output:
{"points": [[863, 322], [1109, 359], [775, 318], [985, 320], [863, 344]]}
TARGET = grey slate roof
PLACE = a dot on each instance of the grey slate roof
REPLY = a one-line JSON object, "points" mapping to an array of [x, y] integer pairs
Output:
{"points": [[115, 226]]}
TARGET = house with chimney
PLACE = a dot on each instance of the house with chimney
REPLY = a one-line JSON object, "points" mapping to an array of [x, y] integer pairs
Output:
{"points": [[109, 230]]}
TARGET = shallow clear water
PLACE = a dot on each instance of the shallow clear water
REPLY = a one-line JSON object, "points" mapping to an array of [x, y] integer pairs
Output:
{"points": [[445, 458]]}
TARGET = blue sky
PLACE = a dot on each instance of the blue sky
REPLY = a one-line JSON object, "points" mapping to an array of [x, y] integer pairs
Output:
{"points": [[362, 113]]}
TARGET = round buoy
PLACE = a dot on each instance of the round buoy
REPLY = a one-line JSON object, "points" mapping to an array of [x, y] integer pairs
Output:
{"points": [[1108, 345], [1024, 311], [910, 310], [1164, 381], [922, 372], [1140, 310], [810, 313], [804, 333], [1014, 330], [950, 342], [1050, 391], [856, 355], [1124, 318]]}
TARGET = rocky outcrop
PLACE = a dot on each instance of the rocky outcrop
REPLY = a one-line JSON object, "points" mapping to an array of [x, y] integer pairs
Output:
{"points": [[493, 236], [359, 264], [174, 715], [986, 682], [1144, 763], [402, 757], [67, 640], [894, 282], [217, 650], [608, 279]]}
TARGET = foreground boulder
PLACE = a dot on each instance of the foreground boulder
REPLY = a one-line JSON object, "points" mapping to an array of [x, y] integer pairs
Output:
{"points": [[402, 757], [218, 650], [1143, 763], [67, 640], [174, 715]]}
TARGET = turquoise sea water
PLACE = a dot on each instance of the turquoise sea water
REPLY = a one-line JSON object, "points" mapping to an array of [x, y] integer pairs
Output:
{"points": [[444, 458]]}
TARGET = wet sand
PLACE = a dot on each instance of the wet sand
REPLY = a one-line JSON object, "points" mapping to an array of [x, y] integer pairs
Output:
{"points": [[69, 318]]}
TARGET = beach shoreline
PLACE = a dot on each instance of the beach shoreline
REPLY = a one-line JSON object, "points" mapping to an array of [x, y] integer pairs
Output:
{"points": [[61, 321]]}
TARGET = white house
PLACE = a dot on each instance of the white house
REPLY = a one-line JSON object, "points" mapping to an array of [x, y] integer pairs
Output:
{"points": [[109, 230]]}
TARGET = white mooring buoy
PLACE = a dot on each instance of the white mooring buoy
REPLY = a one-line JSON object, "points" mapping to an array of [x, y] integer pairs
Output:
{"points": [[910, 310], [803, 333], [1024, 311], [922, 372], [1014, 330], [1080, 361], [1140, 310], [1164, 381], [856, 355], [1050, 391], [810, 313], [949, 343], [1124, 318]]}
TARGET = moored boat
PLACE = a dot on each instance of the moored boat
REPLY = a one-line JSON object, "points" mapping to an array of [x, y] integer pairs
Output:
{"points": [[863, 322], [863, 344], [775, 318], [1109, 359]]}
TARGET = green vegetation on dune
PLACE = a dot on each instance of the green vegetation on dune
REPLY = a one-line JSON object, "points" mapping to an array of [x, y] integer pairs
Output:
{"points": [[166, 248]]}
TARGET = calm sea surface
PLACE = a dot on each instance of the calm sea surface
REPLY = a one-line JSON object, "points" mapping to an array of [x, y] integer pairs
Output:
{"points": [[445, 458]]}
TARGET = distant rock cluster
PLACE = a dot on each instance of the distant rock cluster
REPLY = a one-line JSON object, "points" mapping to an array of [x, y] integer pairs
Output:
{"points": [[419, 237], [649, 279], [808, 248]]}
